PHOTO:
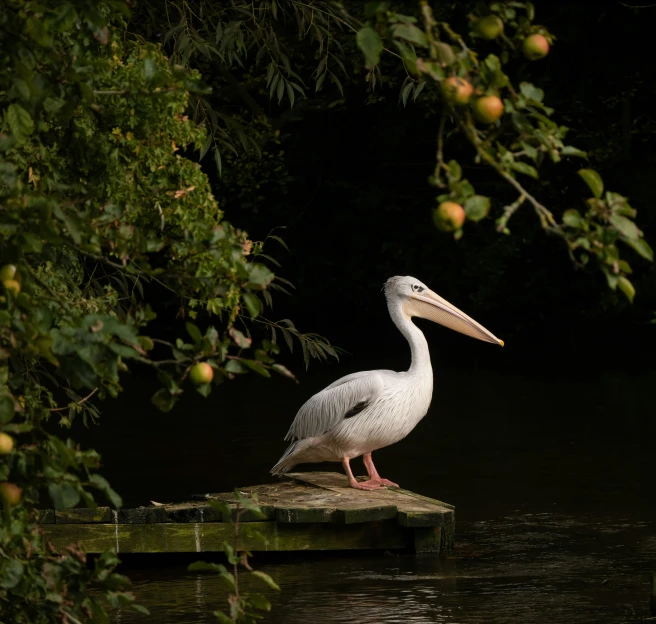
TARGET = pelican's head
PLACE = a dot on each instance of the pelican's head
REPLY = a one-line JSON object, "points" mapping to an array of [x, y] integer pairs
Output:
{"points": [[414, 298]]}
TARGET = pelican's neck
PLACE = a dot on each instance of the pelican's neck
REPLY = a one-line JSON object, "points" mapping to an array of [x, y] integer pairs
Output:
{"points": [[420, 356]]}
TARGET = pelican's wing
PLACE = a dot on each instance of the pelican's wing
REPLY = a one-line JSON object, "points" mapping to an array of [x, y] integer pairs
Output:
{"points": [[326, 408]]}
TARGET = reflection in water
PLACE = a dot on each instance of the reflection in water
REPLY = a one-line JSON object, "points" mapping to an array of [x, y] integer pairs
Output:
{"points": [[520, 568]]}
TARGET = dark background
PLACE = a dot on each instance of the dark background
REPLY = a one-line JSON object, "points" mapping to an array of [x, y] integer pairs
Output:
{"points": [[570, 397]]}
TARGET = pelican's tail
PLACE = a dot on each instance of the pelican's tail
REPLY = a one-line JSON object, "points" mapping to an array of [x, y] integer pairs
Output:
{"points": [[287, 461]]}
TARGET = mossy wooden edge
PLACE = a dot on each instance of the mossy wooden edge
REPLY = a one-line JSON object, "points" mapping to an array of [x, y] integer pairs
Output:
{"points": [[424, 498], [174, 537], [426, 518], [83, 515]]}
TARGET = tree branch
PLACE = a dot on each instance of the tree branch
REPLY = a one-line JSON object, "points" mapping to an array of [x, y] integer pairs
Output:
{"points": [[80, 402]]}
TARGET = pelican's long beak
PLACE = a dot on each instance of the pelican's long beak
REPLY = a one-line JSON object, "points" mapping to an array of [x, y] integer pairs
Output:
{"points": [[431, 306]]}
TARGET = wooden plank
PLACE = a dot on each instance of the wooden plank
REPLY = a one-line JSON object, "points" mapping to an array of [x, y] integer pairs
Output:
{"points": [[424, 518], [295, 502], [413, 510], [83, 515], [427, 539], [425, 498], [310, 511], [143, 515], [287, 514], [209, 537], [192, 512]]}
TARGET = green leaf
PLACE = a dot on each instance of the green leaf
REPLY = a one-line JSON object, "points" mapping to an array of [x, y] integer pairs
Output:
{"points": [[204, 389], [249, 503], [64, 495], [140, 609], [611, 279], [444, 53], [371, 44], [253, 304], [641, 247], [222, 617], [266, 578], [477, 207], [256, 367], [260, 276], [163, 400], [570, 150], [284, 371], [408, 55], [626, 227], [197, 86], [7, 408], [455, 170], [522, 167], [150, 69], [102, 484], [410, 33], [572, 218], [235, 367], [241, 340], [20, 121], [222, 507], [259, 602], [194, 333], [371, 8], [8, 174], [11, 572], [593, 180], [531, 92], [626, 287], [36, 29], [531, 151]]}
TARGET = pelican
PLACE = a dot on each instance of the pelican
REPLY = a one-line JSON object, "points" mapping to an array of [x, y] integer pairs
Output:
{"points": [[363, 412]]}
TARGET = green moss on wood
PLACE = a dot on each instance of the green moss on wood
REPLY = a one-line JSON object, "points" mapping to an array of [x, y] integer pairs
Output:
{"points": [[83, 515], [448, 537], [209, 537], [428, 539], [143, 515], [425, 518]]}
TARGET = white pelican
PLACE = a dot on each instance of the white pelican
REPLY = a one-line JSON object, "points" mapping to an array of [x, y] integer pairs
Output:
{"points": [[366, 411]]}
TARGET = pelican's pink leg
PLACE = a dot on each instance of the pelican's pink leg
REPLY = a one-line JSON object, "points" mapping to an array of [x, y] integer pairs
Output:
{"points": [[364, 485], [374, 477]]}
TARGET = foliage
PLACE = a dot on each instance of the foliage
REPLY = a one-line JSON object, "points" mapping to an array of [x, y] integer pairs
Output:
{"points": [[243, 606], [100, 213], [276, 49], [515, 141], [102, 209]]}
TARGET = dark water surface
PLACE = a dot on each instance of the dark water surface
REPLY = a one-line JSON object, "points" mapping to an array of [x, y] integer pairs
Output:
{"points": [[552, 477]]}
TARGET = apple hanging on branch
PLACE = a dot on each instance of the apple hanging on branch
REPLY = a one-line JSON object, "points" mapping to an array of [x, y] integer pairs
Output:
{"points": [[510, 127]]}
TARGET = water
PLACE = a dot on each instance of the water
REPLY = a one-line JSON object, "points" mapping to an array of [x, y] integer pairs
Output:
{"points": [[552, 478], [516, 568]]}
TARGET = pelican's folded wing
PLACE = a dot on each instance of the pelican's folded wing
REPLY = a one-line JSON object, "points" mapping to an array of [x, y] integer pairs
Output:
{"points": [[330, 406]]}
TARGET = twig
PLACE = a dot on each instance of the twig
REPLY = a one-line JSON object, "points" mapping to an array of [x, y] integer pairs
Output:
{"points": [[508, 212], [460, 41], [71, 618], [440, 153], [429, 25], [546, 218], [84, 400], [60, 300]]}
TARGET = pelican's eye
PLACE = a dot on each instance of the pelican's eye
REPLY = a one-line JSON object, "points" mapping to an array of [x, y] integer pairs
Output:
{"points": [[417, 288]]}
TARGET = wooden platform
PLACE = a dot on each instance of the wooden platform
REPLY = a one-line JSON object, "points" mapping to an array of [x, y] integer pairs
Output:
{"points": [[308, 511]]}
